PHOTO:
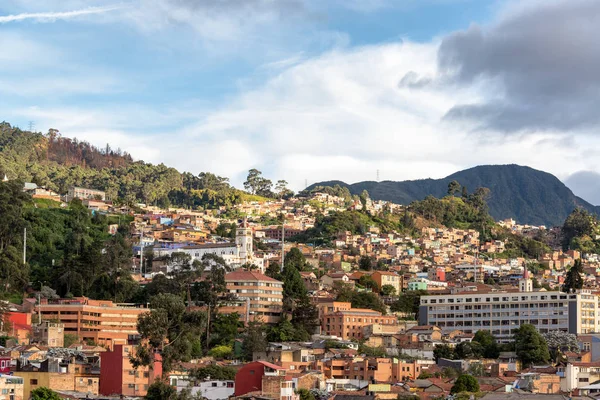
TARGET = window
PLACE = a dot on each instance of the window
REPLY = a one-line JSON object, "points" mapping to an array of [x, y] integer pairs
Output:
{"points": [[131, 386], [33, 381]]}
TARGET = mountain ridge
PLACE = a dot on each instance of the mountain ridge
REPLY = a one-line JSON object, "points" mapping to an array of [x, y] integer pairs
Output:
{"points": [[523, 193]]}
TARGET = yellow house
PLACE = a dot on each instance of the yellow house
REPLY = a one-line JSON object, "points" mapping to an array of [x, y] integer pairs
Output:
{"points": [[58, 381]]}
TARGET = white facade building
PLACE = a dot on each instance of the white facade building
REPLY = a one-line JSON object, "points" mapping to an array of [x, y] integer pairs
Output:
{"points": [[501, 312], [235, 254], [211, 390]]}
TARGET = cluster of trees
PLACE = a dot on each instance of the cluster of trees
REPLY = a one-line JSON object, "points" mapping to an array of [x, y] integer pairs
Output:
{"points": [[530, 346], [302, 314], [67, 249], [579, 232], [483, 345], [467, 211], [328, 226], [359, 299], [57, 163], [257, 184]]}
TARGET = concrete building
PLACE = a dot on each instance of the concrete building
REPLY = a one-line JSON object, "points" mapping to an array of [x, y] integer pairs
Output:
{"points": [[258, 297], [11, 388], [75, 192], [119, 377], [264, 378], [100, 321], [235, 254], [350, 323], [383, 278], [210, 390], [501, 312], [48, 333]]}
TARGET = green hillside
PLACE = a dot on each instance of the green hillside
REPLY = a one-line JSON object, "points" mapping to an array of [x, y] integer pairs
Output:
{"points": [[527, 195], [57, 163]]}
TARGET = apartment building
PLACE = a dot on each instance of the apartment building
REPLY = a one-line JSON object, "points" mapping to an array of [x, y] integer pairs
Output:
{"points": [[11, 387], [388, 370], [349, 323], [75, 192], [258, 297], [100, 321], [501, 312], [383, 278], [119, 377], [49, 333]]}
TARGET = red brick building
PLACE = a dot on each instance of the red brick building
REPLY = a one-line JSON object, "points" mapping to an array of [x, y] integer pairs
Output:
{"points": [[259, 376], [118, 377]]}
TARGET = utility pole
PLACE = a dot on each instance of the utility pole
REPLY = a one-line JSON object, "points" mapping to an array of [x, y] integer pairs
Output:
{"points": [[142, 252], [31, 126], [282, 244], [24, 245]]}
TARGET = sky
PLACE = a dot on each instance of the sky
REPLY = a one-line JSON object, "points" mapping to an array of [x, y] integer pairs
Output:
{"points": [[313, 90]]}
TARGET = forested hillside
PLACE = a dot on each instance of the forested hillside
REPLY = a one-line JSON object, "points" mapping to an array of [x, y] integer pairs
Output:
{"points": [[57, 162], [525, 194]]}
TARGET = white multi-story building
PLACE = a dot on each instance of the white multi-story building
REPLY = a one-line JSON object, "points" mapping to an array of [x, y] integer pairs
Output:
{"points": [[501, 312], [235, 254]]}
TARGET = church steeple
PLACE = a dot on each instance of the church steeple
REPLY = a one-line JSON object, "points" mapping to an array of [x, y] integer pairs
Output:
{"points": [[525, 283]]}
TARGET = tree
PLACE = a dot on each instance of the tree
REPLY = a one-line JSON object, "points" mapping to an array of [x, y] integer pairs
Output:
{"points": [[579, 223], [488, 343], [573, 280], [560, 342], [468, 350], [215, 372], [70, 338], [13, 273], [453, 188], [530, 345], [253, 340], [43, 393], [273, 270], [283, 331], [305, 394], [282, 191], [256, 184], [305, 318], [368, 282], [369, 351], [221, 352], [409, 302], [476, 369], [388, 290], [365, 263], [364, 198], [295, 258], [225, 328], [443, 351], [161, 390], [465, 383], [169, 329]]}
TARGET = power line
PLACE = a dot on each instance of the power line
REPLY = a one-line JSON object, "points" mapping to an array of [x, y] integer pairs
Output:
{"points": [[31, 126]]}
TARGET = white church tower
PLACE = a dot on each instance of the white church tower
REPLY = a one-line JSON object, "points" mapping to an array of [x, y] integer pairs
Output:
{"points": [[525, 283], [243, 241]]}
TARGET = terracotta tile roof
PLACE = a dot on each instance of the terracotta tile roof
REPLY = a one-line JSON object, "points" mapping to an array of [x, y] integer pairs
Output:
{"points": [[270, 365], [248, 276]]}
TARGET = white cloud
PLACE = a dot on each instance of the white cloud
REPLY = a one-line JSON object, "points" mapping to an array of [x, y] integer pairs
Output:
{"points": [[56, 15]]}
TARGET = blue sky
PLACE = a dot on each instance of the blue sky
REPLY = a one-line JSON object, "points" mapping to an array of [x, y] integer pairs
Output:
{"points": [[311, 90]]}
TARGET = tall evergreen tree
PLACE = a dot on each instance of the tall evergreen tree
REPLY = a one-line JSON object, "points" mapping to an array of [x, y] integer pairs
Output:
{"points": [[573, 279]]}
